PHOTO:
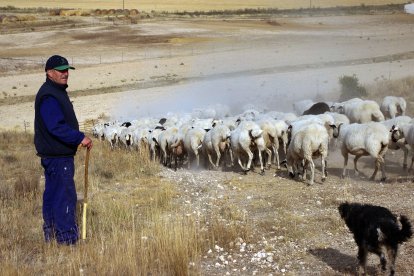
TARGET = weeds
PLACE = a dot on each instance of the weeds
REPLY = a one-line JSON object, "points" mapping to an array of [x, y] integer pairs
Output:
{"points": [[128, 232]]}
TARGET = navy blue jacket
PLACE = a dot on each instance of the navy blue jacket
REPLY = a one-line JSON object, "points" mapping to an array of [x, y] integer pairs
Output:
{"points": [[56, 126]]}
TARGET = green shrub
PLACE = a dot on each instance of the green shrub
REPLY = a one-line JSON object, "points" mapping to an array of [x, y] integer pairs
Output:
{"points": [[350, 88]]}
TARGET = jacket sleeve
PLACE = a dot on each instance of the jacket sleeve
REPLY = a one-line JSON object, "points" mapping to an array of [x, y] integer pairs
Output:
{"points": [[55, 123]]}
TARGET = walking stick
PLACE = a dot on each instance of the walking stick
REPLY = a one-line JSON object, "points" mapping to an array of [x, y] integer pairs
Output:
{"points": [[85, 195]]}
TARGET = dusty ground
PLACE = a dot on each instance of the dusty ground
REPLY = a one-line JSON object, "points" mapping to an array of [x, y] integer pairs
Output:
{"points": [[164, 65], [159, 65]]}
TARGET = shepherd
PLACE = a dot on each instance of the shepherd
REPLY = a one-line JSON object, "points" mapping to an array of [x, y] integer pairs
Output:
{"points": [[56, 138]]}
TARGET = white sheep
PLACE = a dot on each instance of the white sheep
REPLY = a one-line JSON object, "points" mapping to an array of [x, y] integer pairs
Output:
{"points": [[362, 140], [396, 144], [111, 134], [165, 140], [217, 142], [404, 134], [339, 118], [325, 120], [140, 137], [193, 141], [311, 141], [154, 145], [246, 137], [270, 138], [359, 111], [125, 136], [282, 138], [287, 117], [98, 131], [392, 106]]}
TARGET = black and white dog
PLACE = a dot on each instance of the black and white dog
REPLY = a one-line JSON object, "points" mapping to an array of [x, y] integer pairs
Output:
{"points": [[375, 228]]}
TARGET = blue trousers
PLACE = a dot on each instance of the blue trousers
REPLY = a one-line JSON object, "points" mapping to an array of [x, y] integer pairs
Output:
{"points": [[59, 200]]}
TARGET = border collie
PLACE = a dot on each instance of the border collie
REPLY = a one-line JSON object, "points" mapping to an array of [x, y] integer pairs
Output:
{"points": [[375, 228]]}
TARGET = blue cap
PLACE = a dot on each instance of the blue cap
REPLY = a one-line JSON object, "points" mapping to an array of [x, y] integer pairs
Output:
{"points": [[58, 63]]}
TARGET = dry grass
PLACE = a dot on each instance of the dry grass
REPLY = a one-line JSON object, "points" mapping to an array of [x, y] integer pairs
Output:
{"points": [[128, 230], [401, 88]]}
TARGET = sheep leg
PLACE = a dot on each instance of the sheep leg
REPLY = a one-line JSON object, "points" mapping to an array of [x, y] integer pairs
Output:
{"points": [[274, 153], [164, 158], [269, 157], [276, 159], [312, 168], [323, 165], [210, 160], [379, 162], [261, 162], [217, 150], [305, 164], [405, 163], [230, 152], [345, 155], [197, 159], [355, 164], [189, 160], [241, 165], [249, 163], [412, 161]]}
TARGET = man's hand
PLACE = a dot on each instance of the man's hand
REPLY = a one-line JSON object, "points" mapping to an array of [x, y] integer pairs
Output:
{"points": [[86, 142]]}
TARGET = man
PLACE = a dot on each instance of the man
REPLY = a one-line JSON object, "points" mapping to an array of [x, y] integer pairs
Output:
{"points": [[56, 139]]}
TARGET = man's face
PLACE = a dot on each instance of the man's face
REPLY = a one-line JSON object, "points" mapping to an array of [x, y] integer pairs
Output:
{"points": [[59, 77]]}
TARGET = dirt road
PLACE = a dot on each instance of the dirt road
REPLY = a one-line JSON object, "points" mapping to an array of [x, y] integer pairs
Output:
{"points": [[150, 67]]}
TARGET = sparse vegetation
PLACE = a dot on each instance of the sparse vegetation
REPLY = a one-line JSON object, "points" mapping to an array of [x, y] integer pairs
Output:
{"points": [[350, 88]]}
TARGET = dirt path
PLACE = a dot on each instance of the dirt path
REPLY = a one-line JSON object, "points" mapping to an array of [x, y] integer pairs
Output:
{"points": [[225, 61]]}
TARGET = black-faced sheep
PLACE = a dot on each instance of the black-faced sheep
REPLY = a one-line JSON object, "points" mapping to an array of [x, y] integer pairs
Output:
{"points": [[400, 143]]}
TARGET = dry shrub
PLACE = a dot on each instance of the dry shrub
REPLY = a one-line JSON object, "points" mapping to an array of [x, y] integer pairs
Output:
{"points": [[67, 12], [9, 158], [27, 18], [26, 186], [6, 191], [133, 12], [54, 12], [225, 233], [174, 242], [401, 88]]}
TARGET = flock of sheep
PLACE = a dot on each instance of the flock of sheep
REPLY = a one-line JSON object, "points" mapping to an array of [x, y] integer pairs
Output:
{"points": [[252, 138]]}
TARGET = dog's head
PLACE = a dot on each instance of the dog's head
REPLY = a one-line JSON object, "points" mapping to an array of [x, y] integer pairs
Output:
{"points": [[344, 209]]}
